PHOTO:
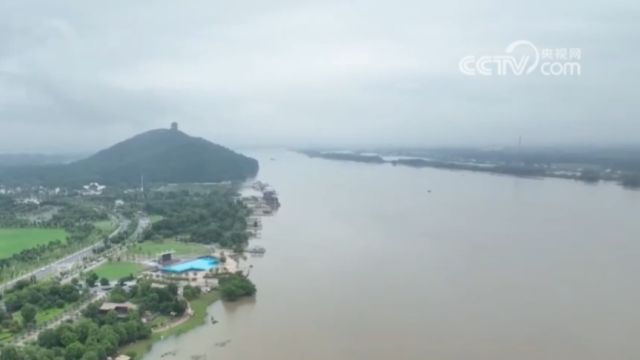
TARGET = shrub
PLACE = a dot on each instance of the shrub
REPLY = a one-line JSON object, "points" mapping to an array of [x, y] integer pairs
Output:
{"points": [[191, 292], [235, 286]]}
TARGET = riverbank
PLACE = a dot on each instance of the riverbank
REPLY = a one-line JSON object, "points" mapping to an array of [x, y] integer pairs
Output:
{"points": [[199, 307]]}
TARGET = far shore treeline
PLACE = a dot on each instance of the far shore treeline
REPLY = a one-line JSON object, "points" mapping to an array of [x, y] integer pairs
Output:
{"points": [[590, 165]]}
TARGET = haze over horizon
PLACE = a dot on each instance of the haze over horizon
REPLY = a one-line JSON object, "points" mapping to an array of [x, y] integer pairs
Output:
{"points": [[78, 77], [319, 179]]}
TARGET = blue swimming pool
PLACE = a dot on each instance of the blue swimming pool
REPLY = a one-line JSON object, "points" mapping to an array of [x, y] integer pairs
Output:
{"points": [[204, 263]]}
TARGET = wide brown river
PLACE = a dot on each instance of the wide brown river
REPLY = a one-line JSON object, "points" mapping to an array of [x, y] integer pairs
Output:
{"points": [[380, 262]]}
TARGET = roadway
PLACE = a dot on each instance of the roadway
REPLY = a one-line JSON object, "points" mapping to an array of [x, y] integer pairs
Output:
{"points": [[70, 260]]}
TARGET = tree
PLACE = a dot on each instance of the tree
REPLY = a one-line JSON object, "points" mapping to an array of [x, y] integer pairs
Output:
{"points": [[118, 295], [236, 286], [90, 355], [69, 293], [14, 326], [93, 338], [109, 338], [91, 279], [10, 353], [172, 288], [66, 334], [91, 311], [48, 338], [75, 351], [105, 282], [214, 217], [13, 301], [191, 292], [28, 313], [85, 328]]}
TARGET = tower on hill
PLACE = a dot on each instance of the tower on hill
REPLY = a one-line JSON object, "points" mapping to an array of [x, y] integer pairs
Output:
{"points": [[174, 126]]}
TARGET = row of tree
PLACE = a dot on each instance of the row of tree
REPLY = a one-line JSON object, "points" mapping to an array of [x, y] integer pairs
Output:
{"points": [[9, 210], [77, 219], [92, 338], [215, 217], [27, 298], [98, 335], [154, 299], [44, 295]]}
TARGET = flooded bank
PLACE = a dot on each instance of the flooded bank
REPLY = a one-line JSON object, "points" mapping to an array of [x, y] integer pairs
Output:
{"points": [[369, 261]]}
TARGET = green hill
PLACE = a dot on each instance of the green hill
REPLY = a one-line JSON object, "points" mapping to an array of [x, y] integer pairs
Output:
{"points": [[161, 156]]}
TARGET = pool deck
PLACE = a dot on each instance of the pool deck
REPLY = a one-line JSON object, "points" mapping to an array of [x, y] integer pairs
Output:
{"points": [[230, 265]]}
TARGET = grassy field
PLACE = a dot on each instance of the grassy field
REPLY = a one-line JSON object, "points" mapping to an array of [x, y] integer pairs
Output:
{"points": [[12, 241], [106, 226], [199, 307], [118, 270], [43, 316], [5, 336], [181, 248], [155, 218]]}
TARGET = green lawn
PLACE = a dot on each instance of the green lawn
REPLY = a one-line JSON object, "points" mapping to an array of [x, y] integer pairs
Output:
{"points": [[160, 321], [42, 316], [118, 270], [199, 307], [155, 218], [47, 315], [12, 241], [5, 336], [181, 248], [106, 226]]}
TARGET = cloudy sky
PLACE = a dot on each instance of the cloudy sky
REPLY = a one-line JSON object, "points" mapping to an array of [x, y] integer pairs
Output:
{"points": [[76, 76]]}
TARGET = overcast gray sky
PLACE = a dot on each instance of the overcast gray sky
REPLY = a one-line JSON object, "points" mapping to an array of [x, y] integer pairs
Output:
{"points": [[79, 75]]}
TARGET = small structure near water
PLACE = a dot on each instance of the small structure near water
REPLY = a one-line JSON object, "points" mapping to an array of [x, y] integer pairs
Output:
{"points": [[256, 250], [121, 309], [262, 199], [165, 258]]}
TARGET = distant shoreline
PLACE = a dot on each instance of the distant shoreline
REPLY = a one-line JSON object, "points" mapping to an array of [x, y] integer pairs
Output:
{"points": [[527, 171]]}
